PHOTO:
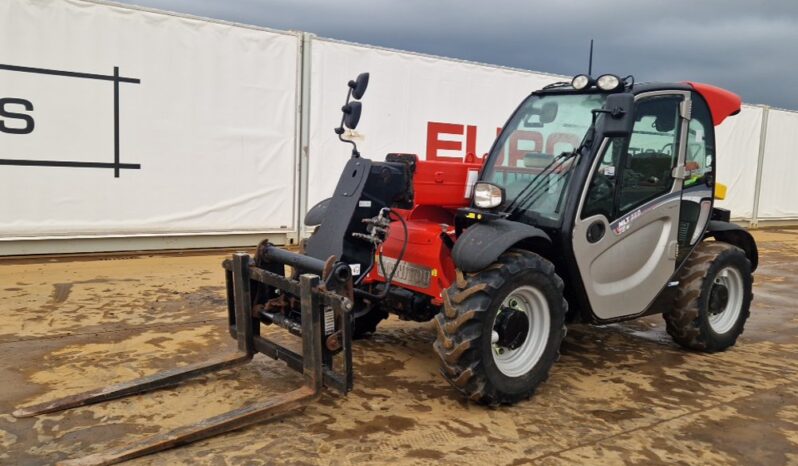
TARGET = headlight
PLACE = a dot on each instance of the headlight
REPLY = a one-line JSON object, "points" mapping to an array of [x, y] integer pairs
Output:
{"points": [[608, 82], [488, 196], [580, 81]]}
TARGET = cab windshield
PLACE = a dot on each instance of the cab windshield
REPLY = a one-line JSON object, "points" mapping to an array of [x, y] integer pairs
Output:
{"points": [[544, 127]]}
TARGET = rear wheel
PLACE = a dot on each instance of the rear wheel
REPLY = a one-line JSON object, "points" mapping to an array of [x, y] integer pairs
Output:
{"points": [[500, 329], [713, 300]]}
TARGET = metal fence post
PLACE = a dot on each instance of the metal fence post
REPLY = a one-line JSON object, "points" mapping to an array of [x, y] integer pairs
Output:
{"points": [[763, 132], [303, 164]]}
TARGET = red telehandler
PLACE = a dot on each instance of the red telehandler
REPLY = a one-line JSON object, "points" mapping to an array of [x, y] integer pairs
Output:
{"points": [[594, 205]]}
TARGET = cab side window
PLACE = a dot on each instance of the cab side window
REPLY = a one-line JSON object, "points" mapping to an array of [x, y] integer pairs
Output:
{"points": [[652, 153], [700, 145], [601, 194], [635, 170]]}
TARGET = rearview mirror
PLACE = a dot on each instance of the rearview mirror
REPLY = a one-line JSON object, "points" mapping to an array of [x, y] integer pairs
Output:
{"points": [[352, 112], [548, 113], [617, 116], [359, 85]]}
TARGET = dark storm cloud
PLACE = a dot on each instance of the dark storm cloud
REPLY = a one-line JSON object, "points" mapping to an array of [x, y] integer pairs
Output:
{"points": [[747, 46]]}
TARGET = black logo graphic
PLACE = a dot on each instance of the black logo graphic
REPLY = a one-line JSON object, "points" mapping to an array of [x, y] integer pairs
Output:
{"points": [[7, 114], [20, 111]]}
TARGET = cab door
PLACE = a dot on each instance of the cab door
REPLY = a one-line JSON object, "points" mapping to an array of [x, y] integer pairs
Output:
{"points": [[625, 232]]}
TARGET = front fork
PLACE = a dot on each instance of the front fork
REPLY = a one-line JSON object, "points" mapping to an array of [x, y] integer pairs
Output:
{"points": [[316, 299], [330, 298]]}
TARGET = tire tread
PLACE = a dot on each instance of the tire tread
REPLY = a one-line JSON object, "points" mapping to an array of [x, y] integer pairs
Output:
{"points": [[683, 321], [458, 325]]}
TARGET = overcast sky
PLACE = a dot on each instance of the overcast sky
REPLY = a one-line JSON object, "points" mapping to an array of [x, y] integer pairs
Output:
{"points": [[747, 46]]}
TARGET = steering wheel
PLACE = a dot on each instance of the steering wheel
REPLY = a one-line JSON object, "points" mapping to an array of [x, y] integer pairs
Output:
{"points": [[601, 188]]}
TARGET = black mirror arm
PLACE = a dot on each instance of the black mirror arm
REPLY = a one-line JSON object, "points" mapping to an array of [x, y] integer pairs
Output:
{"points": [[615, 113], [590, 135], [340, 131]]}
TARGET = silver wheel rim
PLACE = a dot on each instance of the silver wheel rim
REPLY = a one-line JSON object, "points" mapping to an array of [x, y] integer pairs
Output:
{"points": [[724, 320], [518, 362]]}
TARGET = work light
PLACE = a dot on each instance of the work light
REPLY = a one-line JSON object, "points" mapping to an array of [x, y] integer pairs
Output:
{"points": [[488, 196], [608, 82], [580, 82]]}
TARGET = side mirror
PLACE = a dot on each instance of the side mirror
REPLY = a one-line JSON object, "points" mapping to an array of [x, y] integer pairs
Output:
{"points": [[353, 109], [617, 116], [352, 112], [359, 85]]}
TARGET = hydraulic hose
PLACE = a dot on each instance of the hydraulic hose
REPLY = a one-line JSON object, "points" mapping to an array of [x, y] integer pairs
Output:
{"points": [[388, 277]]}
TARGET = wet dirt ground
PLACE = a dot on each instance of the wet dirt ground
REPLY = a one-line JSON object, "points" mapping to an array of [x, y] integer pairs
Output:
{"points": [[620, 394]]}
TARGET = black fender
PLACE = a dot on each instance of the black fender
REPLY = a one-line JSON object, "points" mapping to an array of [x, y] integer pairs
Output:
{"points": [[736, 235], [316, 214], [482, 243]]}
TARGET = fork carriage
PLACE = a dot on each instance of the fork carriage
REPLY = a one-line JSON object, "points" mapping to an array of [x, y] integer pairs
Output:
{"points": [[324, 330]]}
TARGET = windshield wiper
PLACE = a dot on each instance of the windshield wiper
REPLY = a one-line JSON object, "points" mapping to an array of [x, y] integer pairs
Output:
{"points": [[532, 198], [536, 183]]}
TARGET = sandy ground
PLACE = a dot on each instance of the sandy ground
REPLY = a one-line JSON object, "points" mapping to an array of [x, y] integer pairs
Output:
{"points": [[623, 393]]}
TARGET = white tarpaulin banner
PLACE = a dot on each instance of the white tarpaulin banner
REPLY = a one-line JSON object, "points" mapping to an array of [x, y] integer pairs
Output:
{"points": [[737, 141], [779, 190], [432, 107], [118, 121]]}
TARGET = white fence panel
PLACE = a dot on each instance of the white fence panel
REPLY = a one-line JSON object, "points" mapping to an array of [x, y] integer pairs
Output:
{"points": [[413, 103], [206, 123], [737, 141], [779, 191], [117, 122]]}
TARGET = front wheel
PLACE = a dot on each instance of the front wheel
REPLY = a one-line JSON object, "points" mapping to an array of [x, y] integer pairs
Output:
{"points": [[501, 328], [364, 325]]}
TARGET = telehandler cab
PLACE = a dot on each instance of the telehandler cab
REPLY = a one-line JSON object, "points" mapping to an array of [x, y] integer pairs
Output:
{"points": [[594, 205]]}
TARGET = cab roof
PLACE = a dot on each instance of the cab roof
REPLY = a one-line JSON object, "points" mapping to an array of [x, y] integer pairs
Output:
{"points": [[722, 103]]}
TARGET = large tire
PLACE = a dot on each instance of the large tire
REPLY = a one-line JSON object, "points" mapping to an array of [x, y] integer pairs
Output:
{"points": [[466, 323], [365, 325], [701, 319]]}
